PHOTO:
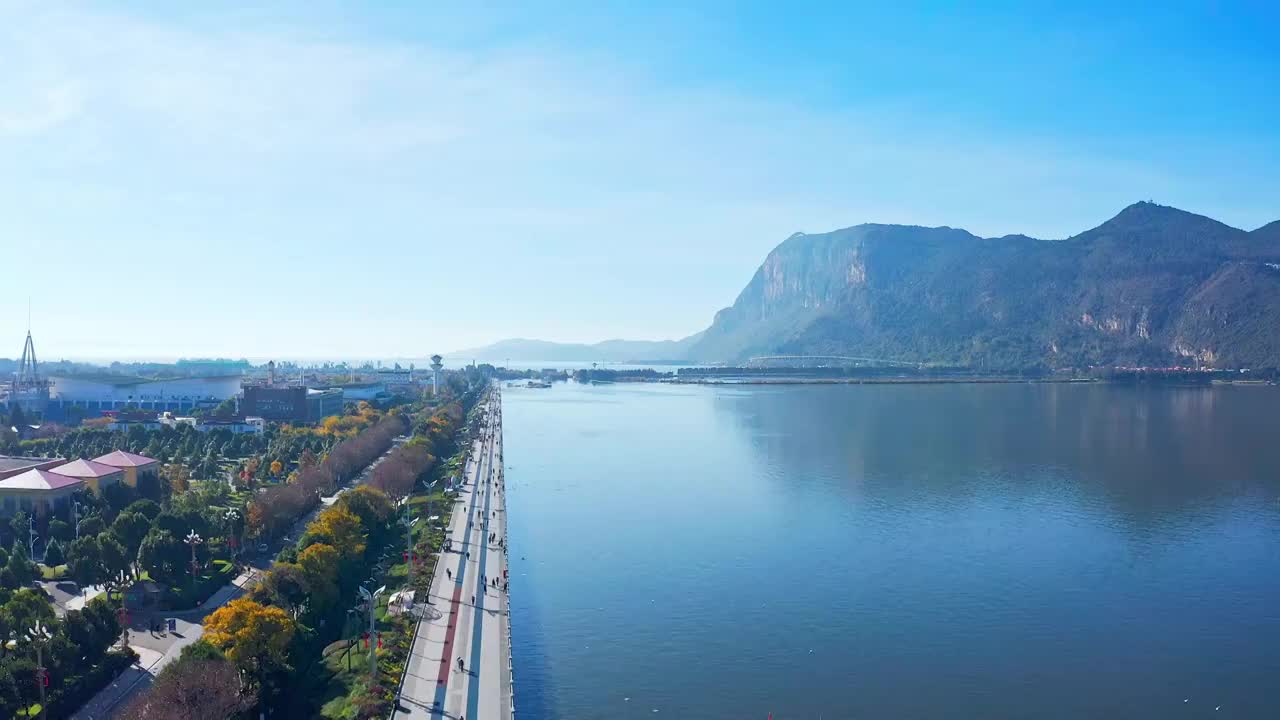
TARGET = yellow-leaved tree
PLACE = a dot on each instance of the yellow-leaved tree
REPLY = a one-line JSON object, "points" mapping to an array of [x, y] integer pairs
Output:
{"points": [[340, 528], [319, 565], [253, 636]]}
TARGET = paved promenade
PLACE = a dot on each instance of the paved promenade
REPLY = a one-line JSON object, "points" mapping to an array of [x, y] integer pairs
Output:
{"points": [[468, 619]]}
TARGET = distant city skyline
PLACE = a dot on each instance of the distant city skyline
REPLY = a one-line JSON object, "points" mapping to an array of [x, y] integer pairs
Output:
{"points": [[322, 180]]}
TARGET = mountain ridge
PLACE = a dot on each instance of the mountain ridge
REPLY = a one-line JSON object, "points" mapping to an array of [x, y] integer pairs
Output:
{"points": [[613, 350], [1130, 291], [1153, 285]]}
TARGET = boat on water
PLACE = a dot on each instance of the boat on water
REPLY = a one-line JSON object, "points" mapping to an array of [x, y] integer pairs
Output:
{"points": [[537, 384]]}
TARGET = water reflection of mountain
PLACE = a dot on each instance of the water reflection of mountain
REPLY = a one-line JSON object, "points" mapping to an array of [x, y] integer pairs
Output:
{"points": [[1145, 452]]}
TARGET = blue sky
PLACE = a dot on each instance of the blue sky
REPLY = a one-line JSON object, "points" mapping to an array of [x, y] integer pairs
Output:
{"points": [[341, 181]]}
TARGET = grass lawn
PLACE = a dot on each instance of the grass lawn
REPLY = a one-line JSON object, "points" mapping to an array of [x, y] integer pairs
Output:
{"points": [[217, 573], [53, 573]]}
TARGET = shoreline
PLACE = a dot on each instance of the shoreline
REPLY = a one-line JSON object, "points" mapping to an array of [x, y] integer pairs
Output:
{"points": [[1171, 382]]}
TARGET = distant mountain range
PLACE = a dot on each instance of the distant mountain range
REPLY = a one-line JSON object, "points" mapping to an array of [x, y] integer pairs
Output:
{"points": [[1152, 286], [619, 351]]}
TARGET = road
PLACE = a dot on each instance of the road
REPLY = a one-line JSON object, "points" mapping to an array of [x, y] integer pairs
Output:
{"points": [[158, 649], [469, 618]]}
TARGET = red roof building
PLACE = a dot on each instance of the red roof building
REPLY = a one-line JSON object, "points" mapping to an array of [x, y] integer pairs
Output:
{"points": [[122, 459], [37, 491], [131, 464], [95, 474]]}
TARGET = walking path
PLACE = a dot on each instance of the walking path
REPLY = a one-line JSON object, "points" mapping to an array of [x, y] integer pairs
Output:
{"points": [[469, 618]]}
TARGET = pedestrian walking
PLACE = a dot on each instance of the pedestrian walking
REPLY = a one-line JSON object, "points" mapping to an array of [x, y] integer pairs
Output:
{"points": [[449, 573], [461, 667]]}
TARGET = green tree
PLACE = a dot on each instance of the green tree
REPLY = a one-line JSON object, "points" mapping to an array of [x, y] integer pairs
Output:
{"points": [[116, 561], [53, 554], [24, 571], [181, 521], [164, 556], [10, 696], [116, 498], [148, 508], [25, 610], [91, 525], [20, 526], [130, 528], [91, 631], [84, 561], [60, 530]]}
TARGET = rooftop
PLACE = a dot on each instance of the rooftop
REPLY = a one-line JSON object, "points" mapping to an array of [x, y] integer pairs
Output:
{"points": [[38, 480], [122, 459], [85, 469], [8, 462]]}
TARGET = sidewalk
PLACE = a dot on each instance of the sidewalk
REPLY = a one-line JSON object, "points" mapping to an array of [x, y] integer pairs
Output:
{"points": [[470, 618]]}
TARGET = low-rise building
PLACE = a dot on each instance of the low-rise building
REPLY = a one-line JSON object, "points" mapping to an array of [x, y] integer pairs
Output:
{"points": [[11, 465], [94, 474], [123, 421], [131, 464], [236, 425], [37, 492]]}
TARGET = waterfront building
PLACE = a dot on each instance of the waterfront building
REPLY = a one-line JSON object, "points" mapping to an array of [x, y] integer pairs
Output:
{"points": [[89, 395]]}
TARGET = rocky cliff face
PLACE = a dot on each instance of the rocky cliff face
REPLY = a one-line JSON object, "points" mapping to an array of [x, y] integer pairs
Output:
{"points": [[1153, 285]]}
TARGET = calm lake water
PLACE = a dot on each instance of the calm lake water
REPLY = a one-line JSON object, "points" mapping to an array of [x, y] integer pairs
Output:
{"points": [[972, 551]]}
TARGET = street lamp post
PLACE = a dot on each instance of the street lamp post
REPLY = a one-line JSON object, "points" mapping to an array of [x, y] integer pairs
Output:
{"points": [[408, 539], [371, 601], [38, 635], [193, 539], [231, 517], [75, 514], [31, 537]]}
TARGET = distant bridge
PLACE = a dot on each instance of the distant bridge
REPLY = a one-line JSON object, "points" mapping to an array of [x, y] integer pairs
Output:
{"points": [[819, 360]]}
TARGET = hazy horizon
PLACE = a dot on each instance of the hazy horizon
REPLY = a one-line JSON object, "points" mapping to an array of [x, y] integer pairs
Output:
{"points": [[326, 181]]}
